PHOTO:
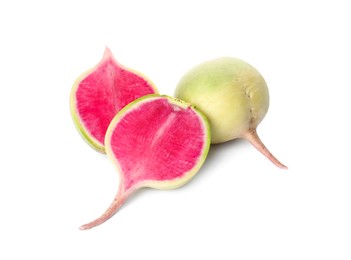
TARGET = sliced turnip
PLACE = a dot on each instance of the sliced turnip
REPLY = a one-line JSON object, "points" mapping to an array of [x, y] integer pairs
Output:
{"points": [[98, 94], [156, 141]]}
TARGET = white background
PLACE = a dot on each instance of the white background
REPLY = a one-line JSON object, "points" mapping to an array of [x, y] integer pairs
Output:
{"points": [[239, 206]]}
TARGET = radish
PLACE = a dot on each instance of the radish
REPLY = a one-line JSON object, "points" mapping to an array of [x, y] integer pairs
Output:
{"points": [[157, 142], [234, 97], [99, 93]]}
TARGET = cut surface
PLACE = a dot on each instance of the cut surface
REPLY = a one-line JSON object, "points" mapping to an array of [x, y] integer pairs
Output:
{"points": [[100, 93], [158, 142], [163, 142]]}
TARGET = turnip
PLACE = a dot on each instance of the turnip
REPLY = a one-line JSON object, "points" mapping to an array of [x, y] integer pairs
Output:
{"points": [[234, 97]]}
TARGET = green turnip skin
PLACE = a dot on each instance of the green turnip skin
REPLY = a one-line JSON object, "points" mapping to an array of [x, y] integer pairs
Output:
{"points": [[233, 95]]}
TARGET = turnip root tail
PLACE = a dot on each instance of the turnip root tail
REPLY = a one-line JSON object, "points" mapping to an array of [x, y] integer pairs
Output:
{"points": [[114, 207], [252, 136]]}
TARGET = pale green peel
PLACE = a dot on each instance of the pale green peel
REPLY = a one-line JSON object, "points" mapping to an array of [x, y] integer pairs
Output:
{"points": [[76, 119], [233, 95]]}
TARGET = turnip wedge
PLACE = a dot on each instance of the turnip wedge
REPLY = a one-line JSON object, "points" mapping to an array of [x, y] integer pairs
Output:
{"points": [[157, 142]]}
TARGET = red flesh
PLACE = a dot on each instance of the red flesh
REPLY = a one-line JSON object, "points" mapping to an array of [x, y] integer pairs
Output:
{"points": [[154, 142], [104, 92], [163, 142]]}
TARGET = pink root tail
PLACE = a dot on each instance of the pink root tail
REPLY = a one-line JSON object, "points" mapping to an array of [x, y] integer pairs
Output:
{"points": [[254, 139], [114, 207]]}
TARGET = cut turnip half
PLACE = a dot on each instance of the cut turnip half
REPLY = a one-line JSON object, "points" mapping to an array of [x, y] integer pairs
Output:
{"points": [[98, 94], [157, 142]]}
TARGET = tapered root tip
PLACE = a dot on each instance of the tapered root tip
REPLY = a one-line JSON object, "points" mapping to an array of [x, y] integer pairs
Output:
{"points": [[96, 222], [282, 166], [114, 207], [254, 139], [88, 226], [84, 227]]}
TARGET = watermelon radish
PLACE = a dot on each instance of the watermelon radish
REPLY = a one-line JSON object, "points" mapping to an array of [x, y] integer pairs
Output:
{"points": [[157, 142], [233, 95], [98, 94]]}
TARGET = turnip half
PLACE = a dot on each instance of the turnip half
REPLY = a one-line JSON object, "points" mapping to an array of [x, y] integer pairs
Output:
{"points": [[233, 95]]}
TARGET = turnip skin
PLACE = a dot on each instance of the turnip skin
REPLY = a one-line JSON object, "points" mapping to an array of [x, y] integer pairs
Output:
{"points": [[233, 95]]}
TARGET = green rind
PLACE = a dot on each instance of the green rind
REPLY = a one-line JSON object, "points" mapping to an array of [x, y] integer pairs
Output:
{"points": [[227, 88], [159, 184], [95, 144]]}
